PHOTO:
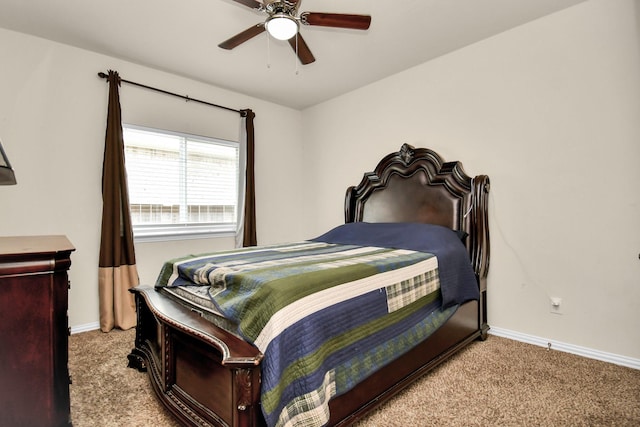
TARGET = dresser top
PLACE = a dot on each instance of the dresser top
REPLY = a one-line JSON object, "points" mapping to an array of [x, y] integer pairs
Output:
{"points": [[16, 245]]}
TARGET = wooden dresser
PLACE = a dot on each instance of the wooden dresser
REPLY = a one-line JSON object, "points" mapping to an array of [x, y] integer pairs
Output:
{"points": [[34, 334]]}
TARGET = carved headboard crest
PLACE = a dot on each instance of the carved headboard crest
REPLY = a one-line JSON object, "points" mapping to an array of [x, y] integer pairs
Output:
{"points": [[406, 153]]}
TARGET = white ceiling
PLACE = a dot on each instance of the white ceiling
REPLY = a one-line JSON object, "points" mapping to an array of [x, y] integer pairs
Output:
{"points": [[181, 37]]}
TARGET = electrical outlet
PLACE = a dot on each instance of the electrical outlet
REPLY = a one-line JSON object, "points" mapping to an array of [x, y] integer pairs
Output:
{"points": [[556, 305]]}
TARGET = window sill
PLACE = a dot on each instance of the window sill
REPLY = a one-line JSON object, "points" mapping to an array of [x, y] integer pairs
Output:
{"points": [[166, 236]]}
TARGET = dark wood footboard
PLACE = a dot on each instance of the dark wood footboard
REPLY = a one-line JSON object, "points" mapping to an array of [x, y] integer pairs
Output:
{"points": [[208, 377], [201, 373]]}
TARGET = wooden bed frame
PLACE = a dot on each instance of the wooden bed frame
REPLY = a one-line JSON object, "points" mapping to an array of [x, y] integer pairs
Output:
{"points": [[207, 376]]}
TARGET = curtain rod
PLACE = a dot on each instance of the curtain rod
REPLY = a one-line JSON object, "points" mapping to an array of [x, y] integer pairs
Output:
{"points": [[187, 98]]}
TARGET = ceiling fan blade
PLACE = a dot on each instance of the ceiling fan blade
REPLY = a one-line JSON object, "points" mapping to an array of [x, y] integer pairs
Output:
{"points": [[253, 4], [304, 53], [339, 20], [242, 37]]}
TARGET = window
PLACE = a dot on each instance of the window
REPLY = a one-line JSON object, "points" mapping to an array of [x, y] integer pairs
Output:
{"points": [[180, 185]]}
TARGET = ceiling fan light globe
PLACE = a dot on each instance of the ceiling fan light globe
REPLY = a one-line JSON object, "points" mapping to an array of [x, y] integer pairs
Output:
{"points": [[281, 27]]}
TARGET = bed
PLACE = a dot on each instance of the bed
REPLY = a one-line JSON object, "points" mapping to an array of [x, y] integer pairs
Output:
{"points": [[210, 372]]}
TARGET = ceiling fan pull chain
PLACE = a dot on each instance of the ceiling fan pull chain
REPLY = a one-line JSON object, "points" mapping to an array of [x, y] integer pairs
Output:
{"points": [[296, 57], [268, 52]]}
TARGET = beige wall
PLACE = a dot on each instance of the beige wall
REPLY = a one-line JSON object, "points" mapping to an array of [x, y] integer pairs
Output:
{"points": [[52, 124], [550, 111]]}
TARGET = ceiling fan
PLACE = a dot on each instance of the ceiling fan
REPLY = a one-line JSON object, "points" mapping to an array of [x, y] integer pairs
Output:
{"points": [[283, 23]]}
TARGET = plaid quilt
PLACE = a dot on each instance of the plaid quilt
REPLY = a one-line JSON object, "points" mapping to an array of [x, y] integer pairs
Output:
{"points": [[324, 315]]}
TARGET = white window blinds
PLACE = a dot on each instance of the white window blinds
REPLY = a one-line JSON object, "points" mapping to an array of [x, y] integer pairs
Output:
{"points": [[180, 184]]}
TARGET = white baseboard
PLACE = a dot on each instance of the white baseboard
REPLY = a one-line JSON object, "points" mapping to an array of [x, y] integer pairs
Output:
{"points": [[85, 328], [567, 348], [504, 333]]}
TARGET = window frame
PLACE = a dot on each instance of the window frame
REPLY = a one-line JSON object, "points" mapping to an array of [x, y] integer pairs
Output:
{"points": [[186, 230]]}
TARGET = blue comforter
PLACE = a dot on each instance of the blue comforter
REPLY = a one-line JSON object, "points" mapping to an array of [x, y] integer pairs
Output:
{"points": [[446, 244]]}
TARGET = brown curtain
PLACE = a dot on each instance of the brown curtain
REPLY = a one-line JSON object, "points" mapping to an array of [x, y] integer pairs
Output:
{"points": [[249, 235], [117, 266]]}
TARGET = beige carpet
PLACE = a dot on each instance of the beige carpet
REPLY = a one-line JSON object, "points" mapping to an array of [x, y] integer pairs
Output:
{"points": [[498, 382]]}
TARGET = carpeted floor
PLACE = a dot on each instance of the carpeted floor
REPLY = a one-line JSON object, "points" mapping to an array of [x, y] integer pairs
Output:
{"points": [[104, 392], [498, 382]]}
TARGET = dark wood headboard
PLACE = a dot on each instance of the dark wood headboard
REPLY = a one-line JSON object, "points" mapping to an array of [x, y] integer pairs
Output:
{"points": [[416, 185]]}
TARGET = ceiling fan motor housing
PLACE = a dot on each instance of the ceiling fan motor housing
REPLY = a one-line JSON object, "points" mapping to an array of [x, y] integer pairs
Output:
{"points": [[281, 7]]}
